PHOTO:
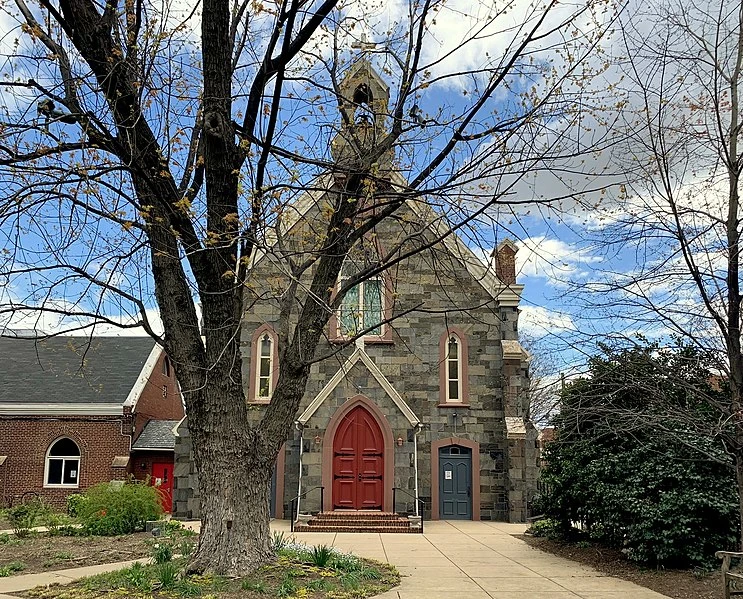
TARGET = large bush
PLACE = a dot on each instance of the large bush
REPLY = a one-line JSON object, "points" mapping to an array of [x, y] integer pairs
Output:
{"points": [[631, 461], [24, 516], [116, 509]]}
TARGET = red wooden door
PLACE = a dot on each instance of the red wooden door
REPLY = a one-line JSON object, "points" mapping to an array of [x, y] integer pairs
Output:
{"points": [[358, 462], [162, 478]]}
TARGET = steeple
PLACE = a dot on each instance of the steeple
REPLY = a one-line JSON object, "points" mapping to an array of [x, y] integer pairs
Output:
{"points": [[363, 110]]}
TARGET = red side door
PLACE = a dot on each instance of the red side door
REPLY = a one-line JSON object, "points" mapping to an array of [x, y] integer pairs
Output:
{"points": [[162, 478], [358, 462]]}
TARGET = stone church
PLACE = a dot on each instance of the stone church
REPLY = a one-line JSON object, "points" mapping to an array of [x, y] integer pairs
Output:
{"points": [[425, 415]]}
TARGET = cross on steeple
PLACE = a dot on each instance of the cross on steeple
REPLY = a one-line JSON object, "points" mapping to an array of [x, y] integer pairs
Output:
{"points": [[363, 44]]}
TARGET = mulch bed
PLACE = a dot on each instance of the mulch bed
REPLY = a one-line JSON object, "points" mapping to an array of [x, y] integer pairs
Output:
{"points": [[42, 553], [678, 584]]}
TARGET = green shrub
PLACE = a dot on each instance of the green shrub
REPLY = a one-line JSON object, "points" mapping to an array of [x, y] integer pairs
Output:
{"points": [[23, 517], [11, 568], [136, 577], [172, 540], [257, 586], [320, 555], [67, 530], [162, 552], [665, 498], [345, 562], [280, 540], [168, 575], [74, 503], [286, 589], [117, 509], [547, 528]]}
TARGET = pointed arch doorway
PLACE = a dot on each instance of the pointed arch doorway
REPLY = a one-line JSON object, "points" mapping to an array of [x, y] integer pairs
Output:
{"points": [[358, 458]]}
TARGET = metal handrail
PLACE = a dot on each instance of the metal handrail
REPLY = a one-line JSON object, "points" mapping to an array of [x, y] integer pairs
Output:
{"points": [[409, 494], [294, 507]]}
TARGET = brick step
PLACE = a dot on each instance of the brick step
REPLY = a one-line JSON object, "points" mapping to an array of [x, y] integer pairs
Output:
{"points": [[352, 528], [360, 514], [358, 522]]}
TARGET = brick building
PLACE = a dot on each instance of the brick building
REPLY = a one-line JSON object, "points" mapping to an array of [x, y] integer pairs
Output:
{"points": [[71, 407], [432, 405]]}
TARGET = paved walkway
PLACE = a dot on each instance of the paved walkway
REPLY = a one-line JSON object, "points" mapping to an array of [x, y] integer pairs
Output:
{"points": [[453, 560], [479, 560]]}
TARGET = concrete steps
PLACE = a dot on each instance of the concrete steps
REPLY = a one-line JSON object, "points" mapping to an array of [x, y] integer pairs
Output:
{"points": [[353, 521]]}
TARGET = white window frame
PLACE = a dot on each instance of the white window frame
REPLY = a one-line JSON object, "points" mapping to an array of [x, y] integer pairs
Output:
{"points": [[452, 337], [259, 359], [65, 459]]}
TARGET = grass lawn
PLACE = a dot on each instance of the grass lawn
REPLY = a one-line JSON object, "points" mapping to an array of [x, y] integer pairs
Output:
{"points": [[297, 574]]}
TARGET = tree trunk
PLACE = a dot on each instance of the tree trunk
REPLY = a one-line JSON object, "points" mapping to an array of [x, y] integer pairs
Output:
{"points": [[739, 479], [234, 464], [235, 535]]}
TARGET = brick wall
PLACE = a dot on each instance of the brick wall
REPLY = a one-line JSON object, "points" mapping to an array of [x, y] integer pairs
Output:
{"points": [[140, 464], [160, 398], [26, 440]]}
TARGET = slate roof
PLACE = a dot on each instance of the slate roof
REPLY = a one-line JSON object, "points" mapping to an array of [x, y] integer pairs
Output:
{"points": [[157, 434], [73, 370]]}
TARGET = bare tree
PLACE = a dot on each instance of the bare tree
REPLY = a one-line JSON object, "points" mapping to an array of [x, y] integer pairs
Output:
{"points": [[673, 235], [156, 150]]}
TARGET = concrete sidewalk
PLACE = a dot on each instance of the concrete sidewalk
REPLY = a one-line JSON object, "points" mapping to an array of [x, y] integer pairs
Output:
{"points": [[452, 560], [479, 560]]}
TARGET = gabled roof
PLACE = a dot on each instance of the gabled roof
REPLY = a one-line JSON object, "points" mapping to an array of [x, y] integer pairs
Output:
{"points": [[507, 295], [157, 434], [359, 355], [70, 373]]}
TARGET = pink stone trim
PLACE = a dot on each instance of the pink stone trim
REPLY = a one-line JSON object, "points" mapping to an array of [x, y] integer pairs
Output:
{"points": [[389, 450], [265, 328], [464, 361], [475, 447]]}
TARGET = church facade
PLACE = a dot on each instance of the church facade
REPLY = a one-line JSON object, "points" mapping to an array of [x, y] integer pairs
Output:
{"points": [[425, 414]]}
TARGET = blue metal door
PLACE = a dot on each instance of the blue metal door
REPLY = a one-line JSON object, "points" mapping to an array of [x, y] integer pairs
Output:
{"points": [[455, 483]]}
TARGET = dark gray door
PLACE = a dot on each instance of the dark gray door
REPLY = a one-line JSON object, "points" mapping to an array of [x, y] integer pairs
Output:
{"points": [[455, 483]]}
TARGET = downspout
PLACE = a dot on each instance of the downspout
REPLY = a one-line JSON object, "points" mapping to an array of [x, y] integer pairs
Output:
{"points": [[418, 429], [300, 428]]}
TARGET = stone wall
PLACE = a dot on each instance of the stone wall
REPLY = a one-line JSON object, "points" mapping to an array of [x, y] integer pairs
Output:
{"points": [[435, 292]]}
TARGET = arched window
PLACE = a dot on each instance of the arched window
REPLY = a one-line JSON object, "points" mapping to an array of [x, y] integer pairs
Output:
{"points": [[62, 464], [263, 365], [453, 368], [362, 99], [366, 305], [362, 307], [264, 372]]}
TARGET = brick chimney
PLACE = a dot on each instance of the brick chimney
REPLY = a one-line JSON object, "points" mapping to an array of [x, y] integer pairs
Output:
{"points": [[504, 257]]}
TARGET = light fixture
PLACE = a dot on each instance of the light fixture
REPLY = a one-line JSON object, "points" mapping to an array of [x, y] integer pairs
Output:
{"points": [[399, 441], [318, 440]]}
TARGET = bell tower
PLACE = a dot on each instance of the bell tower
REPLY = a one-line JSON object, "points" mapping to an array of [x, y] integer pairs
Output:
{"points": [[364, 108]]}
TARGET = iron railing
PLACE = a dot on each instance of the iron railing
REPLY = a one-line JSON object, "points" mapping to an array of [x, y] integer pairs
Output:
{"points": [[421, 503], [295, 506]]}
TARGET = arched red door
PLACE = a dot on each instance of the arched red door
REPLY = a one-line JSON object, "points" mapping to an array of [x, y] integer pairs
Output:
{"points": [[358, 462]]}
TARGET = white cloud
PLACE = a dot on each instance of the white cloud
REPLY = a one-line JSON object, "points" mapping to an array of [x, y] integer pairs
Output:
{"points": [[554, 259], [536, 322]]}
